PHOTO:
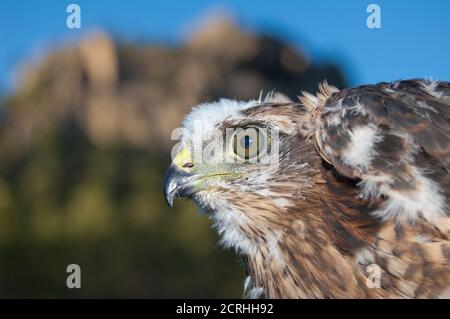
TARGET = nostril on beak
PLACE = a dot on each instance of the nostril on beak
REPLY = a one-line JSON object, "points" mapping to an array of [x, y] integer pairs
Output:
{"points": [[188, 165]]}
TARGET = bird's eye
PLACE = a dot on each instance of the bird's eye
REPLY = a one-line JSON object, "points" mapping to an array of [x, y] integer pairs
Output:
{"points": [[249, 143]]}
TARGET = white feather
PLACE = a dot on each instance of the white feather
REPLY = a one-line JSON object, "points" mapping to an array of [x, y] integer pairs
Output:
{"points": [[361, 151]]}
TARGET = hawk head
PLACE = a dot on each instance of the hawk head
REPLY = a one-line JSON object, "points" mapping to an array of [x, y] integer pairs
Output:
{"points": [[313, 193], [244, 164]]}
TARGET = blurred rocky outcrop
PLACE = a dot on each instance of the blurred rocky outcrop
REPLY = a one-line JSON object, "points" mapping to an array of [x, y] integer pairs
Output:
{"points": [[136, 94], [84, 142]]}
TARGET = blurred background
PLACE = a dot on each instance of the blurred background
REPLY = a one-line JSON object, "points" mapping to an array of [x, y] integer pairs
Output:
{"points": [[86, 116]]}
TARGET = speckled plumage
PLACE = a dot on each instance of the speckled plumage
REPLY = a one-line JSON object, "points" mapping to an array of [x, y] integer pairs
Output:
{"points": [[362, 179]]}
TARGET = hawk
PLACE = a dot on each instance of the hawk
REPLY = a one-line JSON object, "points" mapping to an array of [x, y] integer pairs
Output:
{"points": [[343, 194]]}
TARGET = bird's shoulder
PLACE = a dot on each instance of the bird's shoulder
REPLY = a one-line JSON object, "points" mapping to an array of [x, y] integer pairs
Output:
{"points": [[393, 139]]}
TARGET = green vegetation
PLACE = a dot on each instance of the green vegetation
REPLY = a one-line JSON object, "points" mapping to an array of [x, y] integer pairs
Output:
{"points": [[67, 201]]}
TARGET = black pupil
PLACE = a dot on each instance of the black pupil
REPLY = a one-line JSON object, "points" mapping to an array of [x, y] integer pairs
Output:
{"points": [[247, 141]]}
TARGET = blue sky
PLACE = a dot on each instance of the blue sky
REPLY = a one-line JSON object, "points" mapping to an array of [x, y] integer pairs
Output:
{"points": [[413, 40]]}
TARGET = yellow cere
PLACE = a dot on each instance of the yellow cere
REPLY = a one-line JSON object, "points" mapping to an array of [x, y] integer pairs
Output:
{"points": [[183, 157]]}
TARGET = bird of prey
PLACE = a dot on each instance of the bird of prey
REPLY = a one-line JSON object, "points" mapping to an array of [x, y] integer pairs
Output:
{"points": [[343, 194]]}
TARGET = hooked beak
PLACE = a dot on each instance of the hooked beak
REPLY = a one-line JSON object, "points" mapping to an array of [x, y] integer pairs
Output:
{"points": [[178, 183]]}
